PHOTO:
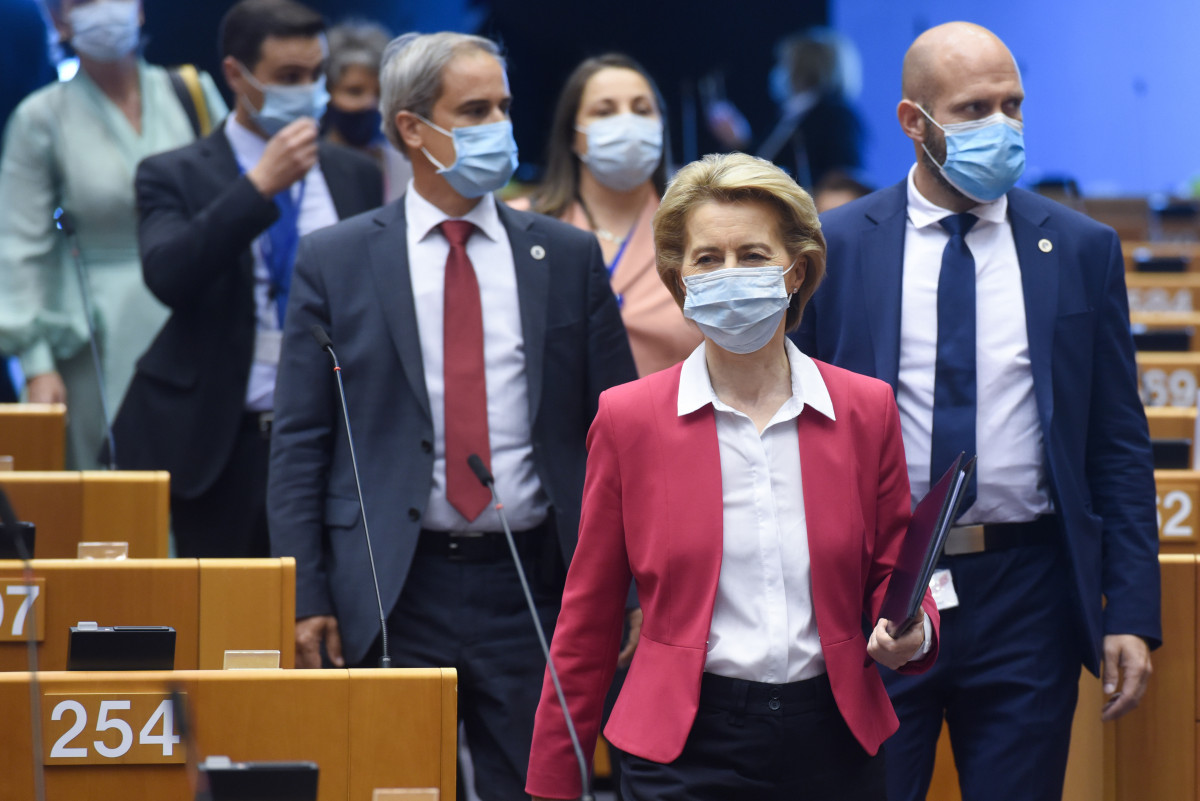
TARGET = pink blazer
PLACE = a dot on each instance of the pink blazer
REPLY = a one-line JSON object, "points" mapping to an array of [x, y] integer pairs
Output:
{"points": [[652, 511]]}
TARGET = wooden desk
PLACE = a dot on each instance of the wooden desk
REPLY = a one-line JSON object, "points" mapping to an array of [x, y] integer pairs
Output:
{"points": [[364, 728], [1134, 249], [93, 506], [213, 604], [1178, 497], [34, 434]]}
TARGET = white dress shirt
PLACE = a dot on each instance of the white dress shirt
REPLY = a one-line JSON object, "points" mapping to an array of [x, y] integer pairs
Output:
{"points": [[316, 211], [509, 429], [1010, 472], [763, 627]]}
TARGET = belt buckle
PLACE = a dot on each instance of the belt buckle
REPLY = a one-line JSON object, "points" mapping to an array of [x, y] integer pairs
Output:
{"points": [[265, 421], [965, 540], [455, 540]]}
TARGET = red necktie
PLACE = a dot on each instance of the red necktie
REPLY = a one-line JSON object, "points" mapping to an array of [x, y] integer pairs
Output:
{"points": [[465, 378]]}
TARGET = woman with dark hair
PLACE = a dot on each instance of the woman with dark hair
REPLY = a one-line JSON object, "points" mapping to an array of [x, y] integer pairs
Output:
{"points": [[606, 168]]}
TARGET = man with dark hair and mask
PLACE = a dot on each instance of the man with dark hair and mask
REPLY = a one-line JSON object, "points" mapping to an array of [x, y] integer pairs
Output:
{"points": [[219, 224], [1000, 319], [463, 327]]}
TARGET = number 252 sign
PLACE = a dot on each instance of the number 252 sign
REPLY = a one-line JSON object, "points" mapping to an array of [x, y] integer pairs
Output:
{"points": [[109, 729]]}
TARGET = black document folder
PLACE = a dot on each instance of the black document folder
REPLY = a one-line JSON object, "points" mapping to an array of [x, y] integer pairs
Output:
{"points": [[923, 544]]}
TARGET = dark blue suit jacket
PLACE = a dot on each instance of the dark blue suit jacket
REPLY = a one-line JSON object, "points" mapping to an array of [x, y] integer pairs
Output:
{"points": [[353, 279], [1097, 448]]}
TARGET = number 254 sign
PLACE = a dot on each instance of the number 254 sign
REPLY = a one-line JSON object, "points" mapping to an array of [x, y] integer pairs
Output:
{"points": [[109, 729]]}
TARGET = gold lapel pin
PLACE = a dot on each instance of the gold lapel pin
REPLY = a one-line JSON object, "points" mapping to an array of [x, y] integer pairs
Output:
{"points": [[538, 252], [1045, 246]]}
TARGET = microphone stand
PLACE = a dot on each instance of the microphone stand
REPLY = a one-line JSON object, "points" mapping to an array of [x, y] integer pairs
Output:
{"points": [[67, 224], [485, 478], [319, 334]]}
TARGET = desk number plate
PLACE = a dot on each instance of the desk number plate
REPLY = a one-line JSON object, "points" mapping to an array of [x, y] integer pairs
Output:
{"points": [[110, 729], [22, 608]]}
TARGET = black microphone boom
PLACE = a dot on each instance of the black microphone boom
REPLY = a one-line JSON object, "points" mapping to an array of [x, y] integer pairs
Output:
{"points": [[322, 338], [67, 224], [485, 478]]}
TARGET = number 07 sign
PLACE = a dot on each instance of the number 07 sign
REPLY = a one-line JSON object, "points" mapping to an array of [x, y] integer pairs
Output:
{"points": [[109, 729]]}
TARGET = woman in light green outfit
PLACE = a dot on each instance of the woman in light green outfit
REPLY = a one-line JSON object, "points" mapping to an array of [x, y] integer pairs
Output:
{"points": [[76, 146]]}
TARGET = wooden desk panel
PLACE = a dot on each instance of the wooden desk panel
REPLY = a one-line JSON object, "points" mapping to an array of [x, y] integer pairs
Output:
{"points": [[213, 604], [247, 604], [34, 434], [1156, 743], [1171, 422], [54, 502], [1163, 291], [1177, 494], [326, 716], [143, 592], [428, 760], [70, 507], [128, 506]]}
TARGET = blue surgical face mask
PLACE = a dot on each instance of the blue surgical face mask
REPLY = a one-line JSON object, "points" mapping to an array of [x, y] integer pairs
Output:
{"points": [[984, 158], [623, 150], [738, 308], [105, 31], [283, 105], [485, 157]]}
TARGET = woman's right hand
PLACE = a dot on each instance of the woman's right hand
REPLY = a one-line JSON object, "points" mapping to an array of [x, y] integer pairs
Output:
{"points": [[46, 388]]}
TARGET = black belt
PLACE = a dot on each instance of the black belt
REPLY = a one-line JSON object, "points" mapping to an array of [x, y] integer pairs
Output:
{"points": [[755, 697], [478, 546], [263, 421], [1000, 536]]}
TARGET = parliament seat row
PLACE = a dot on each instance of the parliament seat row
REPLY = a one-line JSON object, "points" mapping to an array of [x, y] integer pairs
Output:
{"points": [[109, 736], [214, 605]]}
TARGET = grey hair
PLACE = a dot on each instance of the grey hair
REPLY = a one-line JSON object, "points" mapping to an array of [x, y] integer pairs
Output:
{"points": [[355, 43], [411, 77]]}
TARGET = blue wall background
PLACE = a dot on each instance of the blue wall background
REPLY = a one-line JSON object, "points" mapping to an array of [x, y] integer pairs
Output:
{"points": [[1112, 88]]}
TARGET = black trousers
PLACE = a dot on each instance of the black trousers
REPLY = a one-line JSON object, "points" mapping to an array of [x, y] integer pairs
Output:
{"points": [[767, 742], [230, 519], [472, 616]]}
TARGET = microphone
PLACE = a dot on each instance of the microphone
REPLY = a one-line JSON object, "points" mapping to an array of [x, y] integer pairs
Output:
{"points": [[322, 338], [9, 519], [485, 478], [66, 223]]}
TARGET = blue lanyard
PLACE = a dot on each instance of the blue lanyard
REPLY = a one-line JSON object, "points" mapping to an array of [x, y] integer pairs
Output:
{"points": [[278, 244], [279, 247], [612, 267]]}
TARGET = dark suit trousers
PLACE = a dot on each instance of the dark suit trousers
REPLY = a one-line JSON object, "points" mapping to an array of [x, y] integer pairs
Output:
{"points": [[472, 616], [230, 518], [1006, 680], [765, 742]]}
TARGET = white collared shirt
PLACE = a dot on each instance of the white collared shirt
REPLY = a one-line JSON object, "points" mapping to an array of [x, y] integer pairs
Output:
{"points": [[763, 627], [509, 430], [316, 211], [1011, 472]]}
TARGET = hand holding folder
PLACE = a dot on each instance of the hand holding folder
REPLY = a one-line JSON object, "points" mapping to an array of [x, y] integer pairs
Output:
{"points": [[923, 544]]}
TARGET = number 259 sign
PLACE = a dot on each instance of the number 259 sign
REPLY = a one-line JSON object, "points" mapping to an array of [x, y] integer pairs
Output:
{"points": [[109, 729]]}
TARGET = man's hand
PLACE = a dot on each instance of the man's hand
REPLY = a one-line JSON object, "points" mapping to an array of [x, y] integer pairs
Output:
{"points": [[895, 653], [1125, 654], [310, 633], [635, 631], [46, 388], [290, 154]]}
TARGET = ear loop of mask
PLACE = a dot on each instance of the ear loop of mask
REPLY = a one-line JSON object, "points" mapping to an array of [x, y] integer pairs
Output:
{"points": [[441, 167]]}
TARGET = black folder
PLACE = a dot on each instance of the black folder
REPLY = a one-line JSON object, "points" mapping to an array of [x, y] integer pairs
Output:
{"points": [[923, 544]]}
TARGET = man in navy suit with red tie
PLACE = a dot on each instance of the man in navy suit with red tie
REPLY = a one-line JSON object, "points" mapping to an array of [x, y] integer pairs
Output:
{"points": [[463, 327], [1001, 321]]}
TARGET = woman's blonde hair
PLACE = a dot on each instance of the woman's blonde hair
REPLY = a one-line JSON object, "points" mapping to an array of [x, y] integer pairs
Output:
{"points": [[733, 178]]}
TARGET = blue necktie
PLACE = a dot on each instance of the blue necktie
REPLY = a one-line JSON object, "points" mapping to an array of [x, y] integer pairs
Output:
{"points": [[954, 378]]}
